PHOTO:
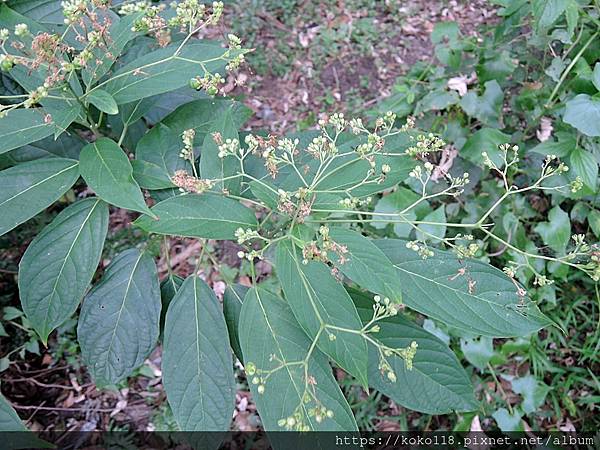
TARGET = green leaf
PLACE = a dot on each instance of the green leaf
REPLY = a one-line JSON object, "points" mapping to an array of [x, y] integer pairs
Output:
{"points": [[21, 127], [9, 420], [557, 231], [596, 76], [445, 30], [436, 101], [498, 66], [366, 264], [165, 104], [157, 158], [594, 221], [584, 165], [11, 313], [168, 288], [197, 365], [201, 115], [59, 264], [556, 68], [347, 171], [14, 433], [583, 112], [28, 188], [268, 196], [103, 101], [484, 140], [163, 70], [268, 327], [211, 166], [436, 384], [107, 170], [488, 107], [66, 146], [394, 203], [119, 319], [44, 11], [232, 308], [533, 392], [318, 300], [436, 288], [561, 148], [207, 216], [508, 422], [103, 59], [546, 12], [478, 351], [429, 230], [572, 15]]}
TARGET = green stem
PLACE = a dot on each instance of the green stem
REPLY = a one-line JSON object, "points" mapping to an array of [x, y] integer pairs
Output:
{"points": [[563, 77]]}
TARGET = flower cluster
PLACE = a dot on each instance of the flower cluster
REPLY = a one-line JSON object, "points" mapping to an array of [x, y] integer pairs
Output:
{"points": [[321, 147], [243, 236], [227, 147], [354, 202], [187, 152], [420, 248], [466, 251], [386, 121], [424, 145], [407, 354], [329, 245], [187, 14], [548, 169], [189, 183], [382, 308], [210, 83]]}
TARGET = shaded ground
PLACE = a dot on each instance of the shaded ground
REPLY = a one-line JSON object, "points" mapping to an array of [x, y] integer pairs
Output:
{"points": [[342, 56]]}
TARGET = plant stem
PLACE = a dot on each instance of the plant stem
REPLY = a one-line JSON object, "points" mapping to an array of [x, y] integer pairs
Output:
{"points": [[563, 77]]}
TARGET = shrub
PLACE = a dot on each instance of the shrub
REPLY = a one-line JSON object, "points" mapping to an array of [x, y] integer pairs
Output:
{"points": [[84, 94]]}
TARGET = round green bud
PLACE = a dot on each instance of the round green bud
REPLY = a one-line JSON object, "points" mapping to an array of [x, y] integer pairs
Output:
{"points": [[195, 83], [250, 368], [6, 64]]}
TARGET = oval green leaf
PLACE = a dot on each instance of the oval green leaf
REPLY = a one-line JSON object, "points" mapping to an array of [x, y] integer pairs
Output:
{"points": [[163, 70], [365, 264], [28, 188], [583, 113], [107, 170], [436, 383], [463, 293], [272, 340], [319, 303], [197, 364], [157, 158], [59, 264], [119, 319], [103, 101], [202, 216], [21, 127]]}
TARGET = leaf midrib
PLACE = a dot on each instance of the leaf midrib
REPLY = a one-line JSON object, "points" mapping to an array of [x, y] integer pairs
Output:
{"points": [[38, 183], [287, 368], [112, 338], [52, 296]]}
